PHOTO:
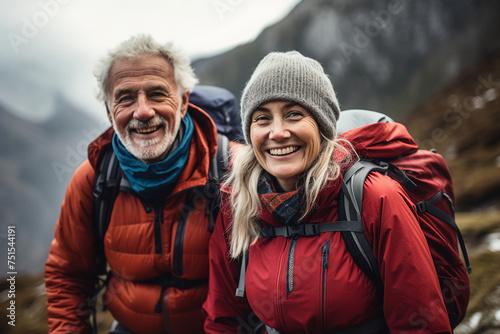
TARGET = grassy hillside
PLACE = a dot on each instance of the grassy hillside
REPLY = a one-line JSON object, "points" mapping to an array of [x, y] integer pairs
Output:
{"points": [[31, 310], [482, 234], [462, 121]]}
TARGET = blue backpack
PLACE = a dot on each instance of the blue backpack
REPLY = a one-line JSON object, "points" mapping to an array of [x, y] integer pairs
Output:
{"points": [[221, 105]]}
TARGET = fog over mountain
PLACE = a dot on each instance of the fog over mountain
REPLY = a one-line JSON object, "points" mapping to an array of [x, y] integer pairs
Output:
{"points": [[36, 163]]}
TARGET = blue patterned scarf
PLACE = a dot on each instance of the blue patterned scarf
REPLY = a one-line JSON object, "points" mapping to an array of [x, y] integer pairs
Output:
{"points": [[155, 181]]}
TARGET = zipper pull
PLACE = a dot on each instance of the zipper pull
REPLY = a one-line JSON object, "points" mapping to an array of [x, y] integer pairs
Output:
{"points": [[325, 251]]}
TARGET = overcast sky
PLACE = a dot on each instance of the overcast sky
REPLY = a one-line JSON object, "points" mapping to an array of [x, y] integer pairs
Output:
{"points": [[49, 46]]}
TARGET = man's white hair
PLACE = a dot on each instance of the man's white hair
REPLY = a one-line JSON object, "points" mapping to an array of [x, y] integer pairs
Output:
{"points": [[136, 47]]}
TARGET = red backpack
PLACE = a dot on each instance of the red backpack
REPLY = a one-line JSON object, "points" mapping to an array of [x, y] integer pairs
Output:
{"points": [[387, 147]]}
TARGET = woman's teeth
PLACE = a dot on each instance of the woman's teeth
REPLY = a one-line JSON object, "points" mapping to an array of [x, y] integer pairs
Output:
{"points": [[283, 151]]}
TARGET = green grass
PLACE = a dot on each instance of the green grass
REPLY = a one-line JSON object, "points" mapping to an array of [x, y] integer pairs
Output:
{"points": [[475, 225], [31, 310], [484, 279], [485, 276]]}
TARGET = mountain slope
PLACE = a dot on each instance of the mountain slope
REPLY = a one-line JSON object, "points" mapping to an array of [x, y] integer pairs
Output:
{"points": [[381, 55], [462, 121], [403, 58], [36, 164]]}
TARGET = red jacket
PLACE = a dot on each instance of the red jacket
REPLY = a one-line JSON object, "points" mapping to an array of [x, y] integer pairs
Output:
{"points": [[330, 292], [70, 271]]}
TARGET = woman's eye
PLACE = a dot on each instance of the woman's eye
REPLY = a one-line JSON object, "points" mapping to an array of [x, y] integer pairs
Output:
{"points": [[295, 114], [261, 119]]}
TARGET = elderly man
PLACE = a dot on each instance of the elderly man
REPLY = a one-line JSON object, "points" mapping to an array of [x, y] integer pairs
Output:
{"points": [[156, 244]]}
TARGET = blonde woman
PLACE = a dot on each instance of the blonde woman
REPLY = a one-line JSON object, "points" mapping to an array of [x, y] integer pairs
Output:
{"points": [[289, 175]]}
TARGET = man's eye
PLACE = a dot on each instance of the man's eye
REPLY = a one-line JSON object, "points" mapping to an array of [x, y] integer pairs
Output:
{"points": [[124, 98], [158, 94]]}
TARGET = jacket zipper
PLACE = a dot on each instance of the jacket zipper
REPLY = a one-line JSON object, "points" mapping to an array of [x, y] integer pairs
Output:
{"points": [[148, 207], [278, 290], [179, 240], [157, 210], [291, 255], [157, 230], [325, 251]]}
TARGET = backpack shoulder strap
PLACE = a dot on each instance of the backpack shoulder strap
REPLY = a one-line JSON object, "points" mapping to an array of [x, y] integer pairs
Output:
{"points": [[106, 187], [240, 291], [220, 161], [350, 208], [219, 165], [429, 207]]}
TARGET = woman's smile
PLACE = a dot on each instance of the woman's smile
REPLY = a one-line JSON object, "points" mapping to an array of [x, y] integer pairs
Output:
{"points": [[286, 140], [283, 151]]}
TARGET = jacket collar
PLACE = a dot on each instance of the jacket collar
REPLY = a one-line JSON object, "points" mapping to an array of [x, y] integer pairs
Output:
{"points": [[203, 147], [326, 206]]}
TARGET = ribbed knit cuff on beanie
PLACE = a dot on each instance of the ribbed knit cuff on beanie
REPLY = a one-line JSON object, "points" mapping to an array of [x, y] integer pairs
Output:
{"points": [[292, 77]]}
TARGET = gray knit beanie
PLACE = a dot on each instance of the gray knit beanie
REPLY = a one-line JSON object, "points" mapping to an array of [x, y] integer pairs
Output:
{"points": [[292, 77]]}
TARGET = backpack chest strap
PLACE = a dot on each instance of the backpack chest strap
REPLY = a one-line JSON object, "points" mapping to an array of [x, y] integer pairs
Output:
{"points": [[309, 230]]}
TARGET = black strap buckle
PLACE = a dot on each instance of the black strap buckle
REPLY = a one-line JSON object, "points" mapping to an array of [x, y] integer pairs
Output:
{"points": [[304, 230], [267, 232], [312, 229], [421, 207], [297, 231]]}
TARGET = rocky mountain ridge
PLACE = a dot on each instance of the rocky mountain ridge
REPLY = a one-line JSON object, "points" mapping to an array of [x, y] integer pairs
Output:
{"points": [[382, 55]]}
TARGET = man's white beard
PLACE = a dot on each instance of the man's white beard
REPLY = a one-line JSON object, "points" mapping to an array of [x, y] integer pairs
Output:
{"points": [[148, 149]]}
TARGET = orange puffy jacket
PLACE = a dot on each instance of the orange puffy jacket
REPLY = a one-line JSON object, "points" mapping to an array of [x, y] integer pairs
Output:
{"points": [[141, 243]]}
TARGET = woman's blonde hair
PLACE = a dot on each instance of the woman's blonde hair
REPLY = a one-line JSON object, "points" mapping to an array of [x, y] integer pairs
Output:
{"points": [[244, 178]]}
